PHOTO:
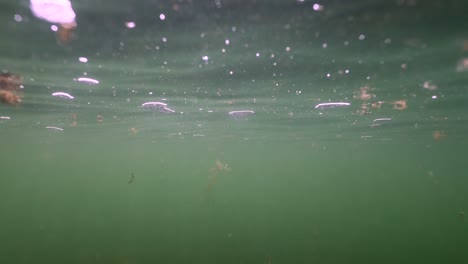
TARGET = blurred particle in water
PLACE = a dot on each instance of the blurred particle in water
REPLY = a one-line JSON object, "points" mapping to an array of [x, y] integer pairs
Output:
{"points": [[56, 12], [465, 45], [437, 135], [133, 130], [99, 118], [317, 7], [363, 93], [86, 80], [383, 119], [380, 121], [241, 113], [462, 65], [63, 95], [132, 178], [377, 105], [8, 97], [215, 172], [10, 88], [331, 105], [130, 24], [18, 18], [54, 128], [399, 105], [74, 120], [158, 106], [10, 81], [429, 86]]}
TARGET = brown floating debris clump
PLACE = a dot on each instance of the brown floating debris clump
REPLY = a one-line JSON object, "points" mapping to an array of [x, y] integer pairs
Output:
{"points": [[10, 88], [132, 178], [58, 13], [215, 172]]}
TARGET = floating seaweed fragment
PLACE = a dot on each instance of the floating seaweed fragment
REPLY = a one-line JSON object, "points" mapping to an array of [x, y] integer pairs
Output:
{"points": [[132, 178], [10, 88], [56, 12], [215, 172]]}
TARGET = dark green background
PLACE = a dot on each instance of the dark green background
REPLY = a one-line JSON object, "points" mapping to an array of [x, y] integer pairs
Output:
{"points": [[306, 185]]}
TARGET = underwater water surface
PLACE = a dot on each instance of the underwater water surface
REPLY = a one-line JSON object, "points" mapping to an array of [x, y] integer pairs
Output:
{"points": [[236, 132]]}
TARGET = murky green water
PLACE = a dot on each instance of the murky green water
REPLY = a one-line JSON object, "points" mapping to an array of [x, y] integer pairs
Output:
{"points": [[101, 179]]}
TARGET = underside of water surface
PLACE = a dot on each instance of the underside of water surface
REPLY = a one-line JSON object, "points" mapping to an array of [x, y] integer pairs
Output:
{"points": [[229, 131]]}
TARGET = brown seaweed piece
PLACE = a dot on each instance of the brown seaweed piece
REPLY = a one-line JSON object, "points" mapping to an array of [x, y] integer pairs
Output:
{"points": [[215, 172], [65, 32], [10, 82], [8, 97], [10, 88]]}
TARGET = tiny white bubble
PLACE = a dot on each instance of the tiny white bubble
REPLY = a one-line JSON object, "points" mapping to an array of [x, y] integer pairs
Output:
{"points": [[130, 24], [162, 16], [317, 7], [18, 18]]}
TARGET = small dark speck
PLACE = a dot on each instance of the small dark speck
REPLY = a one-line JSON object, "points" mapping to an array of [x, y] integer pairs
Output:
{"points": [[132, 177]]}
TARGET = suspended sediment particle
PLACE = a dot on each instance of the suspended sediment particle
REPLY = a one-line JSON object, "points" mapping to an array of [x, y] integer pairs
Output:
{"points": [[241, 113], [8, 97], [331, 105], [158, 106], [86, 80], [462, 65], [10, 82], [63, 95], [10, 88], [56, 12]]}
